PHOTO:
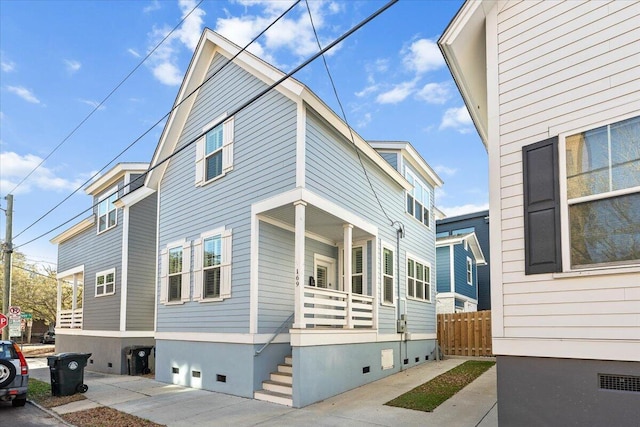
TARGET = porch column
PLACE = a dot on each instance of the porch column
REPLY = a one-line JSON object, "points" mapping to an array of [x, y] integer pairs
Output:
{"points": [[59, 303], [300, 209], [74, 301], [348, 252]]}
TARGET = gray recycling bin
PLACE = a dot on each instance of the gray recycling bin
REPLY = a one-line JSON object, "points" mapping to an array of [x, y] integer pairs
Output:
{"points": [[67, 373], [138, 360]]}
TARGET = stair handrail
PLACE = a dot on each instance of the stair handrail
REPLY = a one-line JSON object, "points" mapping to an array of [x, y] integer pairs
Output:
{"points": [[280, 328]]}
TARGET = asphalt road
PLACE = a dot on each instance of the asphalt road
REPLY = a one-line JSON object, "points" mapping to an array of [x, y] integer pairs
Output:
{"points": [[27, 416]]}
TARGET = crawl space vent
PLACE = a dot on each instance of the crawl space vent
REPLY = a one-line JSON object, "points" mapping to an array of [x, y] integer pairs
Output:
{"points": [[619, 382]]}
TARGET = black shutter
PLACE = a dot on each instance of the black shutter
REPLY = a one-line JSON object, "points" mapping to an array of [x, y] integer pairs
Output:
{"points": [[542, 253]]}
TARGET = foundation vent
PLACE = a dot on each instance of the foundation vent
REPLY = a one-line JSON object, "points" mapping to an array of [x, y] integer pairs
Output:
{"points": [[619, 382]]}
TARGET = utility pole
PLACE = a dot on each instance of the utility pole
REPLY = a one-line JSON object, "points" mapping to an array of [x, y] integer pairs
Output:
{"points": [[8, 250]]}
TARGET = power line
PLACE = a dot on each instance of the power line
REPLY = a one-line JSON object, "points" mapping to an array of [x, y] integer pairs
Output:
{"points": [[97, 107], [344, 116], [149, 130], [247, 103]]}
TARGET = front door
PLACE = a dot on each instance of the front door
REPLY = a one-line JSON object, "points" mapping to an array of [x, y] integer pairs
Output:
{"points": [[325, 272]]}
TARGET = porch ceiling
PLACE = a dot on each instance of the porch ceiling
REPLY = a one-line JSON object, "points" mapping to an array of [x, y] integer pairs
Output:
{"points": [[317, 221]]}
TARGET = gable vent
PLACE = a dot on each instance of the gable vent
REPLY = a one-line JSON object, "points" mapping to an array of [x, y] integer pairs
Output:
{"points": [[619, 382]]}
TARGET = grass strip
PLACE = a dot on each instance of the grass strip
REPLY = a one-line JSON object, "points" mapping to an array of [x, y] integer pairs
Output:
{"points": [[433, 393]]}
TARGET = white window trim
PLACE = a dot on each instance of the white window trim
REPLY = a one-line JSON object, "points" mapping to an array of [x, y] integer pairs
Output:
{"points": [[104, 197], [469, 271], [359, 244], [384, 246], [228, 138], [565, 237], [164, 272], [105, 273], [426, 188], [225, 265], [330, 263], [407, 257]]}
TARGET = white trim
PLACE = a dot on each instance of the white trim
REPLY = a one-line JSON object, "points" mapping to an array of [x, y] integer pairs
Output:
{"points": [[301, 144], [407, 256], [316, 337], [469, 274], [114, 175], [232, 338], [104, 273], [383, 246], [105, 197], [406, 150], [285, 226], [134, 197], [74, 230], [105, 334], [457, 296], [125, 268], [602, 196], [254, 272], [452, 269], [217, 121], [320, 260], [157, 279], [70, 272], [600, 271], [592, 349]]}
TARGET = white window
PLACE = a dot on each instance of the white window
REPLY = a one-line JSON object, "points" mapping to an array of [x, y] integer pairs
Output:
{"points": [[469, 271], [175, 264], [603, 195], [212, 265], [325, 271], [357, 270], [387, 275], [418, 199], [214, 151], [107, 211], [106, 282], [418, 280]]}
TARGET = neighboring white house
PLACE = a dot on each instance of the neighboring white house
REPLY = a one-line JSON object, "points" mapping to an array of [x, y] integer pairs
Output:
{"points": [[554, 91]]}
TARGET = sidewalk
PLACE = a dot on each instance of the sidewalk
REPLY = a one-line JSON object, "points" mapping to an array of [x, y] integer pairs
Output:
{"points": [[177, 406]]}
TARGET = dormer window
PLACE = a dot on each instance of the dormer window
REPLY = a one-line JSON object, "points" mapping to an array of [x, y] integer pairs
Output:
{"points": [[107, 213]]}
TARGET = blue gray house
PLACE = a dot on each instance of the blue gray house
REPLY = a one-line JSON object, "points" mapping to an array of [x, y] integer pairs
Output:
{"points": [[108, 259], [295, 258], [457, 261], [478, 223]]}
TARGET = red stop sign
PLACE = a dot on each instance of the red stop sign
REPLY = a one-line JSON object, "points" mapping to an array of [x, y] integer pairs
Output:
{"points": [[3, 321]]}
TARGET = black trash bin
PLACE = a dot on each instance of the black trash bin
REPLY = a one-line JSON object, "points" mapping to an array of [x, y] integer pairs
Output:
{"points": [[138, 360], [67, 373]]}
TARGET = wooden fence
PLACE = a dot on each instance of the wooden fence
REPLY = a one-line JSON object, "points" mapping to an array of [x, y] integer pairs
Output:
{"points": [[465, 334]]}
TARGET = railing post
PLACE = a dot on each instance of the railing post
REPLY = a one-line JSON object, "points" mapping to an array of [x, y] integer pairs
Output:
{"points": [[59, 303], [299, 274], [348, 253], [74, 302]]}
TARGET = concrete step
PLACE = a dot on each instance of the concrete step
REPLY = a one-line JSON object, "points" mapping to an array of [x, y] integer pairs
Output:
{"points": [[273, 397], [288, 360], [282, 377], [288, 369], [278, 387]]}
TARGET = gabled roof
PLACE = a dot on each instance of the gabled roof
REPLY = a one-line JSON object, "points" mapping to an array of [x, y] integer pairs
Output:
{"points": [[211, 43], [114, 175], [464, 47], [416, 160], [472, 241]]}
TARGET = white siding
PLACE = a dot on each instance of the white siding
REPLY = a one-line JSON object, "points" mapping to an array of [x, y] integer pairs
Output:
{"points": [[562, 66]]}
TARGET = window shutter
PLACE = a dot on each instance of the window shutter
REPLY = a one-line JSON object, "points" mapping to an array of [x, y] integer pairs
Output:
{"points": [[164, 269], [200, 161], [225, 268], [185, 288], [227, 145], [542, 250], [197, 270]]}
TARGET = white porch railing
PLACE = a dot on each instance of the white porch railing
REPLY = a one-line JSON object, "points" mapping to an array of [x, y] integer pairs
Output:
{"points": [[70, 319], [334, 309]]}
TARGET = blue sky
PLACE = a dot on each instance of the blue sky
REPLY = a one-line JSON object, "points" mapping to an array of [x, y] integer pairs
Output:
{"points": [[59, 59]]}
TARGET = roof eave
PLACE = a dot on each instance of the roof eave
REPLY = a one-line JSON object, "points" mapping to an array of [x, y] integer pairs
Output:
{"points": [[74, 230]]}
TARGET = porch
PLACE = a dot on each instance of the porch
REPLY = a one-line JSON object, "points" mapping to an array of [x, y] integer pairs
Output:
{"points": [[69, 300]]}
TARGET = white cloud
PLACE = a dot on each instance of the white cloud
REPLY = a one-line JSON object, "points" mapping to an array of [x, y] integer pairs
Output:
{"points": [[24, 93], [365, 120], [72, 65], [7, 66], [422, 55], [397, 94], [15, 167], [457, 118], [367, 90], [445, 170], [435, 93], [155, 5], [133, 52], [92, 104], [163, 62], [464, 209]]}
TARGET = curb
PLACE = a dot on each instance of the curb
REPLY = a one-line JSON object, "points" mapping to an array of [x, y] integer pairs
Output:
{"points": [[50, 412]]}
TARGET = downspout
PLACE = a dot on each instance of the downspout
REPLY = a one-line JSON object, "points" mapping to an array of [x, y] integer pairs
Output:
{"points": [[399, 235]]}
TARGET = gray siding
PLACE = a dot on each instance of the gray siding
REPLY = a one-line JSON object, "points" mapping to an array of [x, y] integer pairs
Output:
{"points": [[97, 252], [392, 158], [141, 283], [330, 155], [443, 269], [264, 165]]}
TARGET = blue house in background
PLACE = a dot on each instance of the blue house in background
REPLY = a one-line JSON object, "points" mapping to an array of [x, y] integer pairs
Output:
{"points": [[477, 222], [457, 261]]}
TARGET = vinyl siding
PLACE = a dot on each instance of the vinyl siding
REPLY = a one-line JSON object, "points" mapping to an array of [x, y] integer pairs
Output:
{"points": [[460, 269], [141, 284], [264, 165], [563, 67], [392, 158], [443, 269]]}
